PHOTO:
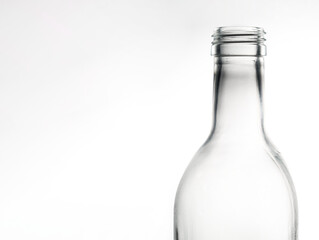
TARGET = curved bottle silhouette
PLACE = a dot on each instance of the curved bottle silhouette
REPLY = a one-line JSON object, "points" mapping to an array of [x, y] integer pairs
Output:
{"points": [[237, 186]]}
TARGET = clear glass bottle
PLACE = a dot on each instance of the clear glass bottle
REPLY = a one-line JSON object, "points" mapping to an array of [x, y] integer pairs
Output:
{"points": [[237, 186]]}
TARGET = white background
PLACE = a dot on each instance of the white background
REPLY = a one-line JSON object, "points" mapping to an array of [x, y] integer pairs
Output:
{"points": [[104, 103]]}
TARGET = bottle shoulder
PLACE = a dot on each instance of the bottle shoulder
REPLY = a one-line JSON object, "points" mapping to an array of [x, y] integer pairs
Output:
{"points": [[242, 149], [244, 161], [245, 151]]}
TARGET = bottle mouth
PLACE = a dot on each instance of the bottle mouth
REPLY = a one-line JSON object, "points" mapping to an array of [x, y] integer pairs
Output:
{"points": [[239, 41]]}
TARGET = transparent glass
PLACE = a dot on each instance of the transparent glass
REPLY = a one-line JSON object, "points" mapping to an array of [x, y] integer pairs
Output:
{"points": [[237, 186]]}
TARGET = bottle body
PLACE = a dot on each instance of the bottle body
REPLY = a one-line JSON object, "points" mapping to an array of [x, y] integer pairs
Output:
{"points": [[237, 186], [236, 191]]}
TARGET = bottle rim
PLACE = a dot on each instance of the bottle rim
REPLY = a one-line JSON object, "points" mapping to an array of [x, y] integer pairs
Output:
{"points": [[237, 34], [239, 40]]}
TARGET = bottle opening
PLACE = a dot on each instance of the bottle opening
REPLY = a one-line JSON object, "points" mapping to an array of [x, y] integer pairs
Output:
{"points": [[238, 41]]}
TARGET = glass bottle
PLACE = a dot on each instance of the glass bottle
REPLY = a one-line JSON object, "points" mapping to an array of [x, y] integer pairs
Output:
{"points": [[237, 186]]}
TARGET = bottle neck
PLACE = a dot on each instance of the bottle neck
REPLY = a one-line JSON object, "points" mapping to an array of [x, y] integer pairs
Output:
{"points": [[238, 111]]}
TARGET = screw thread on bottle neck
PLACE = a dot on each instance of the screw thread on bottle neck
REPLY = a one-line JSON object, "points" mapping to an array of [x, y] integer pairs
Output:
{"points": [[238, 41]]}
